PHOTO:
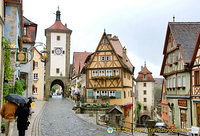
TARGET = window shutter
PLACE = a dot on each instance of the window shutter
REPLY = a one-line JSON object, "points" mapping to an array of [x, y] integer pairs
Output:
{"points": [[118, 94], [90, 93]]}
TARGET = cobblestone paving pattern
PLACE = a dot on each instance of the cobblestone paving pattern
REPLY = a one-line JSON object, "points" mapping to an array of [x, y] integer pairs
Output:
{"points": [[58, 119]]}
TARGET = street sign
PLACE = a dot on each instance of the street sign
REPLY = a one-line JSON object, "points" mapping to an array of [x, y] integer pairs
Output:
{"points": [[21, 57]]}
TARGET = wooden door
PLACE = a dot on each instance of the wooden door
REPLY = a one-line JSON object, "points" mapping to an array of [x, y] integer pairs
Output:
{"points": [[198, 113], [183, 113]]}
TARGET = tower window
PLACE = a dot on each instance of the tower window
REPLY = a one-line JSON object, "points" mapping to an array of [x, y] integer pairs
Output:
{"points": [[52, 51], [145, 99], [145, 92], [58, 38], [145, 107], [145, 84], [57, 70], [63, 52]]}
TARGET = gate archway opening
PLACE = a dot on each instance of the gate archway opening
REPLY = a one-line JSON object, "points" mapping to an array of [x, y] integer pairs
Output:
{"points": [[144, 119], [57, 88]]}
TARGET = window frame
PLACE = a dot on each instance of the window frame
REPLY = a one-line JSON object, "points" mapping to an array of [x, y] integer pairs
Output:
{"points": [[35, 77]]}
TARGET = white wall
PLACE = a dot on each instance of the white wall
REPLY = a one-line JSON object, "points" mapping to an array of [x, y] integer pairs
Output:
{"points": [[58, 61]]}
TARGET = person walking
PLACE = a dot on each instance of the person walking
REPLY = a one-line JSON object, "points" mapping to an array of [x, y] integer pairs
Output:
{"points": [[22, 121], [8, 113]]}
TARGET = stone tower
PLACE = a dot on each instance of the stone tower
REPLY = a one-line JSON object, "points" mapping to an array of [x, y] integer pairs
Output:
{"points": [[58, 64], [145, 93]]}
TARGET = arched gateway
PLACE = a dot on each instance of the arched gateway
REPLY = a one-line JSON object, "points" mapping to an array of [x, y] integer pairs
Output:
{"points": [[58, 46]]}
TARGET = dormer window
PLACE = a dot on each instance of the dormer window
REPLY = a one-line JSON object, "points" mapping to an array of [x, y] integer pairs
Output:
{"points": [[144, 76], [104, 41]]}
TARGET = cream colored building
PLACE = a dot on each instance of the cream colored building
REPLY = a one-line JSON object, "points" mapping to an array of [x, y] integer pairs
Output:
{"points": [[145, 94], [38, 76]]}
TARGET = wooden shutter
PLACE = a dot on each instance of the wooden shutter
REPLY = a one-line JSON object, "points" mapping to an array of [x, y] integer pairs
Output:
{"points": [[118, 94], [90, 93]]}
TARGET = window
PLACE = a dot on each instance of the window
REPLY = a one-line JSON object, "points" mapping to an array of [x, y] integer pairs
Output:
{"points": [[145, 107], [124, 94], [179, 81], [104, 93], [112, 93], [63, 52], [145, 99], [25, 30], [116, 72], [35, 76], [124, 74], [176, 56], [98, 94], [94, 73], [171, 83], [170, 58], [101, 72], [102, 58], [145, 84], [35, 90], [52, 51], [36, 64], [57, 70], [104, 41], [144, 76], [58, 38], [174, 82], [145, 92], [168, 83], [25, 49], [131, 92], [183, 81], [107, 58], [108, 72], [196, 77]]}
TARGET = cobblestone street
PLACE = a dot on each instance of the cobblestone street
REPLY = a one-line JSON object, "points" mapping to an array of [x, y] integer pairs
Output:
{"points": [[58, 119]]}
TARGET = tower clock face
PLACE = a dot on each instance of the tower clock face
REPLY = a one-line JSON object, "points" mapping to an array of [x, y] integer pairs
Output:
{"points": [[58, 51]]}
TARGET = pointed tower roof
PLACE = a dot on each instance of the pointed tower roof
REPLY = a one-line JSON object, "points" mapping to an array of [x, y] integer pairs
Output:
{"points": [[145, 75], [58, 26]]}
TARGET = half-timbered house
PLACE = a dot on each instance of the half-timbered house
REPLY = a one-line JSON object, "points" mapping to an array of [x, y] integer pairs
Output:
{"points": [[195, 86], [178, 49], [109, 75]]}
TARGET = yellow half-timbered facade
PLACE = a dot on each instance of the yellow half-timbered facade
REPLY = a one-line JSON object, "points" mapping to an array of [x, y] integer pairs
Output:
{"points": [[109, 76]]}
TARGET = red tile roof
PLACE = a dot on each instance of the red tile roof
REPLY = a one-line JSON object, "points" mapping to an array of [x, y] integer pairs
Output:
{"points": [[119, 50], [145, 71], [79, 59], [58, 26]]}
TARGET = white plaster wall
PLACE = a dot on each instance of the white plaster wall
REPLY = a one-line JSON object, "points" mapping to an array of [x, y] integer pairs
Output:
{"points": [[149, 95], [58, 61]]}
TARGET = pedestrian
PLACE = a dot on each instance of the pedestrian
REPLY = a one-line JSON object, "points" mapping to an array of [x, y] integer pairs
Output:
{"points": [[8, 113], [22, 121]]}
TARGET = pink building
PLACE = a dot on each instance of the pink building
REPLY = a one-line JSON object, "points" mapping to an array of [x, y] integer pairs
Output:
{"points": [[164, 105]]}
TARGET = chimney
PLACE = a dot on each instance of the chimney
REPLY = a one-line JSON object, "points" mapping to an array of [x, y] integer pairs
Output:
{"points": [[109, 36], [124, 55], [66, 25], [141, 67]]}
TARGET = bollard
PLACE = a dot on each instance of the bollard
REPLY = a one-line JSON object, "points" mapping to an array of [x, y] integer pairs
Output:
{"points": [[151, 125]]}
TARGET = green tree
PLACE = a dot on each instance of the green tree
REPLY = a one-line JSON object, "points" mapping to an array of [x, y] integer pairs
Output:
{"points": [[54, 88], [19, 87], [8, 71], [138, 109]]}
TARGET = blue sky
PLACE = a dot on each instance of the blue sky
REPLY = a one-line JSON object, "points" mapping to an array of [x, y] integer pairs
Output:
{"points": [[140, 24]]}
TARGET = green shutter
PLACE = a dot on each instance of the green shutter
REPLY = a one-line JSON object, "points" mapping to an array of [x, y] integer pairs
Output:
{"points": [[118, 94], [90, 93]]}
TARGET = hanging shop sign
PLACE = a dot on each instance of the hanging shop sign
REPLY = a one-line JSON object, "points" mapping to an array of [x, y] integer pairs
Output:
{"points": [[21, 57]]}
